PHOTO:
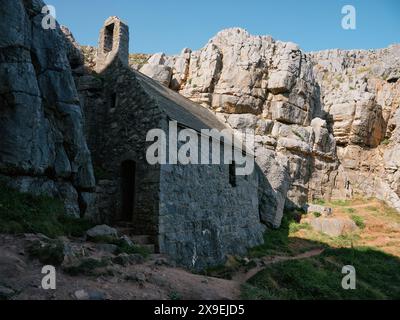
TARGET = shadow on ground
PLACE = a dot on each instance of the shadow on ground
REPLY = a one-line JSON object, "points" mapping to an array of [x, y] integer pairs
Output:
{"points": [[290, 267]]}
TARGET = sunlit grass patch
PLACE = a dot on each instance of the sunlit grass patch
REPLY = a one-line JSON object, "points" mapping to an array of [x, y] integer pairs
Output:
{"points": [[359, 221], [320, 277]]}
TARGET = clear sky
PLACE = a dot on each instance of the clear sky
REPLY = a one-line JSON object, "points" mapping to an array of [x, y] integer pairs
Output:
{"points": [[170, 25]]}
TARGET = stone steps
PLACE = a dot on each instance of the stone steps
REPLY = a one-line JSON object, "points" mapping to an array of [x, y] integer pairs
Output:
{"points": [[144, 241]]}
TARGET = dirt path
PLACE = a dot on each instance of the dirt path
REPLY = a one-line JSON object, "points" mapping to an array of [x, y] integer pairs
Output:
{"points": [[241, 278], [157, 279], [365, 205], [146, 281]]}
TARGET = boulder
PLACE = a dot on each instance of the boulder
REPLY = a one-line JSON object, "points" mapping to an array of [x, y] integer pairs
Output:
{"points": [[333, 227], [160, 73], [315, 208], [102, 231], [89, 295]]}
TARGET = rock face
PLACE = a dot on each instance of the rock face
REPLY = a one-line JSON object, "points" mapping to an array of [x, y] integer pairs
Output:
{"points": [[102, 231], [42, 145], [360, 93], [326, 122], [326, 126]]}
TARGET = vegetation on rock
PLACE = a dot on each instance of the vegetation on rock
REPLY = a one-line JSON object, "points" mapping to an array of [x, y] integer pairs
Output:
{"points": [[26, 213]]}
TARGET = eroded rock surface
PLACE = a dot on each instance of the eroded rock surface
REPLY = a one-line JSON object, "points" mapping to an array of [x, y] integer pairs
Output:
{"points": [[41, 125], [326, 123]]}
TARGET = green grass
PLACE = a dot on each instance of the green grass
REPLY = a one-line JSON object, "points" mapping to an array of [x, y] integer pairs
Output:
{"points": [[25, 213], [175, 296], [295, 227], [359, 221], [341, 203], [138, 58], [50, 253], [316, 214], [276, 241], [363, 69], [385, 142], [86, 267], [320, 202], [320, 240], [320, 277]]}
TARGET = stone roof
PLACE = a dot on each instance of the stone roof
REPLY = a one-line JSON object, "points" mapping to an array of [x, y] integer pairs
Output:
{"points": [[179, 108]]}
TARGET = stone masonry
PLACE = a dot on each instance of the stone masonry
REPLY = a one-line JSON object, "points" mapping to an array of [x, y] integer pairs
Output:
{"points": [[192, 212]]}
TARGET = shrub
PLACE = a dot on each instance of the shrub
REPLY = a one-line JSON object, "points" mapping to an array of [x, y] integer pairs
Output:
{"points": [[385, 142], [49, 253], [359, 221], [295, 227], [317, 214], [86, 267]]}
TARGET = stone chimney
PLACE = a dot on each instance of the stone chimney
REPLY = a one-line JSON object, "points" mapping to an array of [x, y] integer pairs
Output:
{"points": [[113, 43]]}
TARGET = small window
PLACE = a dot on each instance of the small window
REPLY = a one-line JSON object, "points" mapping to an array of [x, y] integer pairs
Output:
{"points": [[109, 38], [113, 100], [232, 174]]}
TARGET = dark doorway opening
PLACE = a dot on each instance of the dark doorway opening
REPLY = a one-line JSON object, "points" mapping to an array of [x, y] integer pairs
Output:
{"points": [[232, 174], [128, 177]]}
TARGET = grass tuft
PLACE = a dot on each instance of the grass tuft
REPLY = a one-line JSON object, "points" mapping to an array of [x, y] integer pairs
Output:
{"points": [[26, 213], [86, 267], [320, 202], [123, 247], [359, 221]]}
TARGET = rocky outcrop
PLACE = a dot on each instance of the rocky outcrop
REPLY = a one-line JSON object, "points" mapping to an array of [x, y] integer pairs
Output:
{"points": [[326, 123], [42, 145], [332, 226], [269, 86], [360, 95]]}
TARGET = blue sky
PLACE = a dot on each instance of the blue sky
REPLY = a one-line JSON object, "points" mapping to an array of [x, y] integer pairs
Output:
{"points": [[170, 25]]}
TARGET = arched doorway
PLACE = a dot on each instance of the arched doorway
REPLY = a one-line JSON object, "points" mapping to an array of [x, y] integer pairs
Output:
{"points": [[128, 177]]}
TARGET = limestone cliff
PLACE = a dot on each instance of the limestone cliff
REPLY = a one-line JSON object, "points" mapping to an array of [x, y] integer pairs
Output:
{"points": [[326, 122], [42, 143]]}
